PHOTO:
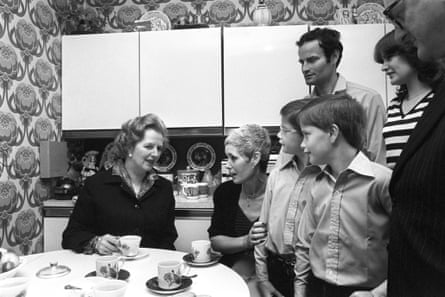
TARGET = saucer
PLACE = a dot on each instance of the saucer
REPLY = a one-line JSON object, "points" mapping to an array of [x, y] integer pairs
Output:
{"points": [[141, 254], [152, 285], [123, 274], [189, 259]]}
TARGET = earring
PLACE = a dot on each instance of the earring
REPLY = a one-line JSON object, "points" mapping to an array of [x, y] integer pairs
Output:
{"points": [[130, 155]]}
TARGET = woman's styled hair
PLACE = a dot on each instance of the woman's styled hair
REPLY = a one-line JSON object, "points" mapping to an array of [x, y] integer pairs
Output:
{"points": [[291, 110], [328, 39], [341, 110], [430, 73], [249, 139], [133, 131]]}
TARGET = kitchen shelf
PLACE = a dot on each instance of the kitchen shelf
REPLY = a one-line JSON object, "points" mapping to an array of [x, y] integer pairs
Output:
{"points": [[172, 132]]}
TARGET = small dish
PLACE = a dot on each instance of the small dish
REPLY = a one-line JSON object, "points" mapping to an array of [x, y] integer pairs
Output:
{"points": [[201, 156], [189, 259], [83, 287], [142, 254], [167, 160], [13, 271], [152, 285], [123, 274], [155, 20]]}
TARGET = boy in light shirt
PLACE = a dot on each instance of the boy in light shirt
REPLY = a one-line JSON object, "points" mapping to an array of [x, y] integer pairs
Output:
{"points": [[343, 233], [275, 259]]}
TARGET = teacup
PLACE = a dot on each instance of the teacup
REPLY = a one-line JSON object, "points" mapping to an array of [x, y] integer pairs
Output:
{"points": [[129, 245], [170, 274], [110, 288], [190, 191], [108, 266], [201, 250]]}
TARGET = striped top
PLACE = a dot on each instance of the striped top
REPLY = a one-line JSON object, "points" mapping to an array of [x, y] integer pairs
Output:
{"points": [[399, 126]]}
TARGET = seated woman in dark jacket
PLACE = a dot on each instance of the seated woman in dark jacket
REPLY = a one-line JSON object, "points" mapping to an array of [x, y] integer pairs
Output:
{"points": [[127, 199], [235, 229]]}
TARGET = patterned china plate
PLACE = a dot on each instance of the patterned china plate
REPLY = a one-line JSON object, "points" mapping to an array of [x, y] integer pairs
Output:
{"points": [[167, 160], [156, 19], [189, 259], [123, 274], [152, 285], [201, 156]]}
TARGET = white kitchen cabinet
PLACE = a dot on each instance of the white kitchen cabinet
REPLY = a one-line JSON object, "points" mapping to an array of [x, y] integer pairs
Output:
{"points": [[180, 76], [53, 228], [100, 80], [261, 73], [189, 229], [357, 64]]}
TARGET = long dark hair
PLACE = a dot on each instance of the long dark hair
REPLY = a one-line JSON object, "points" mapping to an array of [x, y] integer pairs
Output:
{"points": [[429, 73]]}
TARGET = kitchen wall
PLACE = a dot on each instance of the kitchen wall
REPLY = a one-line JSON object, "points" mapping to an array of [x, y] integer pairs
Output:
{"points": [[30, 69], [30, 111], [119, 15]]}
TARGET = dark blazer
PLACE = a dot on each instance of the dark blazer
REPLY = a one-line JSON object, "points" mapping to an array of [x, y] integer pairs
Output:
{"points": [[417, 238], [107, 205]]}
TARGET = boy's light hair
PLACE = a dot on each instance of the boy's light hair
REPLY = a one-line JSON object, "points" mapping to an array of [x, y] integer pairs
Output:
{"points": [[341, 110]]}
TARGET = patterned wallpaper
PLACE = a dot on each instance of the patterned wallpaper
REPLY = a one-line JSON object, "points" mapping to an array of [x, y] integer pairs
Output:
{"points": [[30, 76], [30, 111], [119, 15]]}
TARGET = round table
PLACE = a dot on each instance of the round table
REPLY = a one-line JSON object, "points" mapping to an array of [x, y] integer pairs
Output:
{"points": [[216, 280]]}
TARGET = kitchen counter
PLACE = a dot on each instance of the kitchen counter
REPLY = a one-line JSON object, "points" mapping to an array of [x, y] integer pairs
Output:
{"points": [[184, 207]]}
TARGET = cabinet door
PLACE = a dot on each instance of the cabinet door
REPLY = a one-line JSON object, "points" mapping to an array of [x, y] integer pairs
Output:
{"points": [[189, 229], [100, 80], [181, 76], [52, 233], [357, 63], [261, 73]]}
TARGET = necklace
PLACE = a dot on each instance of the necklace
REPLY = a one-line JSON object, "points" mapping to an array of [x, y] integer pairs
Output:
{"points": [[252, 197]]}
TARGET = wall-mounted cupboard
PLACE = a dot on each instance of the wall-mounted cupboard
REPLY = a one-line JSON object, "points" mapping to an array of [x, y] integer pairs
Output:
{"points": [[217, 77], [100, 79], [180, 76], [261, 73]]}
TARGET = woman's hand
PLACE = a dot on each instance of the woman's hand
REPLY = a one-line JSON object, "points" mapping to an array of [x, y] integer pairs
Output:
{"points": [[268, 290], [107, 244], [257, 234]]}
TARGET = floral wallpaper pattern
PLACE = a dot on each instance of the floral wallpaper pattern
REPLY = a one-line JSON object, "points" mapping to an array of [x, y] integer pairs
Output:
{"points": [[119, 15], [30, 79], [30, 111]]}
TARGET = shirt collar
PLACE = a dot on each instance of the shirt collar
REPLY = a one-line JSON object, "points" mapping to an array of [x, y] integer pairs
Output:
{"points": [[149, 179], [340, 86], [360, 165]]}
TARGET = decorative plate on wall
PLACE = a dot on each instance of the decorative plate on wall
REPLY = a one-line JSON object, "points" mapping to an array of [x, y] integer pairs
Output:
{"points": [[154, 20], [201, 156], [167, 160]]}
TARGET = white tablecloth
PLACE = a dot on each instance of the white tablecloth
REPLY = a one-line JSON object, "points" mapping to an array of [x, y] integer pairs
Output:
{"points": [[217, 280]]}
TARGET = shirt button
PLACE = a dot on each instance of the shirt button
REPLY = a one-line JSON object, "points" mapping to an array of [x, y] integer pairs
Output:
{"points": [[137, 206]]}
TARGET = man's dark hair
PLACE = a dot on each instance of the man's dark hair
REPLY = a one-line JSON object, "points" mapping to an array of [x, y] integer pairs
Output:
{"points": [[328, 39]]}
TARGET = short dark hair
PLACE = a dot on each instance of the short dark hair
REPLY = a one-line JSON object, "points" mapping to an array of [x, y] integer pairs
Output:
{"points": [[133, 131], [339, 109], [291, 110], [430, 73], [328, 39]]}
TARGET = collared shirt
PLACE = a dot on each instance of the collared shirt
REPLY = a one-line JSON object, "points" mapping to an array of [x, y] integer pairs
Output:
{"points": [[344, 229], [281, 186], [148, 181], [375, 111]]}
